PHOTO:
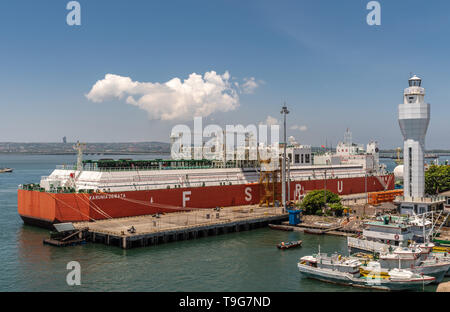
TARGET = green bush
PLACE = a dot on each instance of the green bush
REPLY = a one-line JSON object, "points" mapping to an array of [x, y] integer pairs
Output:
{"points": [[437, 179], [337, 208], [315, 200]]}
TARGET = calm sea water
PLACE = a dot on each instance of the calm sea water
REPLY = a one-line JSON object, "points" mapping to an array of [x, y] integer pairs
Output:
{"points": [[245, 261]]}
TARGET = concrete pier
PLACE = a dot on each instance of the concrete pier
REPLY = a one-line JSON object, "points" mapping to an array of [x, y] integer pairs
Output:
{"points": [[171, 227]]}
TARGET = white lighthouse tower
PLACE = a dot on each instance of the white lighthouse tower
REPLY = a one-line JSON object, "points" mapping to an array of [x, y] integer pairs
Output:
{"points": [[413, 118]]}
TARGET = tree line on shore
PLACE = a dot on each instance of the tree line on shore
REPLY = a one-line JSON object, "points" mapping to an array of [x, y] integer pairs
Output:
{"points": [[437, 179]]}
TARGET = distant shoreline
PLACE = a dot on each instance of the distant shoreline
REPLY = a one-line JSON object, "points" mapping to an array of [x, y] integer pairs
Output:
{"points": [[74, 153], [131, 148]]}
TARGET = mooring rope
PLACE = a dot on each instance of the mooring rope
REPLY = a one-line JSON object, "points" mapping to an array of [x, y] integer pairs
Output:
{"points": [[78, 210], [89, 217]]}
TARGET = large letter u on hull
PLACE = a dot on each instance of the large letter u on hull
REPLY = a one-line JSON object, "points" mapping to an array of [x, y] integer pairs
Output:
{"points": [[340, 186]]}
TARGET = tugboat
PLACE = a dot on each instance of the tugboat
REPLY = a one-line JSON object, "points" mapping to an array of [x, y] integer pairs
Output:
{"points": [[347, 271], [288, 245]]}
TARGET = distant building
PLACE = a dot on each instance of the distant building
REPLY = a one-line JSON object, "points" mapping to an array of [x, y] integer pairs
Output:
{"points": [[64, 140]]}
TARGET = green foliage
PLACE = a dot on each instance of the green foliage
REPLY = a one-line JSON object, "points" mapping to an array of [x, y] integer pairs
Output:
{"points": [[315, 201], [337, 208], [437, 179]]}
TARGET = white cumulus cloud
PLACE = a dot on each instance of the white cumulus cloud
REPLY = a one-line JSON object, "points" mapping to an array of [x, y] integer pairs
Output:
{"points": [[172, 100], [249, 85], [270, 121], [299, 127]]}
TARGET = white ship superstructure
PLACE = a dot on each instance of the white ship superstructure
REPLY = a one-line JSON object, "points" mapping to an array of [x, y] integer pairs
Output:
{"points": [[162, 174]]}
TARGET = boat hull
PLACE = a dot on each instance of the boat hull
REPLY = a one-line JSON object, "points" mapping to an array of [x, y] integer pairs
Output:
{"points": [[437, 271], [347, 279], [44, 208]]}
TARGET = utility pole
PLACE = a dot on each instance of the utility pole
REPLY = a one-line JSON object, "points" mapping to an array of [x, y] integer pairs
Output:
{"points": [[365, 187], [325, 189], [288, 180], [284, 112]]}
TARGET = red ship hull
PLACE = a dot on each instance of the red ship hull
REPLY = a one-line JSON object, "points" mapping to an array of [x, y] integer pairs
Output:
{"points": [[44, 209]]}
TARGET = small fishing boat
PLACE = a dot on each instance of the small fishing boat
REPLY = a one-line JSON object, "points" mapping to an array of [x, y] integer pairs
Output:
{"points": [[288, 245], [444, 256], [415, 259], [281, 227], [346, 271], [4, 170], [314, 231]]}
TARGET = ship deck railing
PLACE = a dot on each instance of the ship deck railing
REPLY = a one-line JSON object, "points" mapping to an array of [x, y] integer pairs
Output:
{"points": [[153, 168], [319, 175]]}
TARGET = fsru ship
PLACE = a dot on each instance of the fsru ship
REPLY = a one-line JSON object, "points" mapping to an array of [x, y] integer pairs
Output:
{"points": [[95, 190]]}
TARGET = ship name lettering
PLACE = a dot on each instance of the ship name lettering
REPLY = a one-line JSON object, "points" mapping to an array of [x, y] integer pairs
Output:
{"points": [[107, 196]]}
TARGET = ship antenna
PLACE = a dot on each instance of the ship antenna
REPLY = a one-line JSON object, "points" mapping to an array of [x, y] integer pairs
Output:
{"points": [[79, 147]]}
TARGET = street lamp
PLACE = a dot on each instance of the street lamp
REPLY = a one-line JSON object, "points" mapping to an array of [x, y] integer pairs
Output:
{"points": [[284, 112]]}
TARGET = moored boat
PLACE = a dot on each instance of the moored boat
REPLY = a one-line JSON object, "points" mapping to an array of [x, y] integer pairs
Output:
{"points": [[380, 236], [281, 227], [412, 258], [288, 245], [347, 271], [314, 231]]}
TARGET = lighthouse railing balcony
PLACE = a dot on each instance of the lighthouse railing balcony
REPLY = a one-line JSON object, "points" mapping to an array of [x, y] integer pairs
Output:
{"points": [[414, 90], [426, 199]]}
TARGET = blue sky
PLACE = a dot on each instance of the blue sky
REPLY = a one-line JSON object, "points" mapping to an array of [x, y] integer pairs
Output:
{"points": [[333, 70]]}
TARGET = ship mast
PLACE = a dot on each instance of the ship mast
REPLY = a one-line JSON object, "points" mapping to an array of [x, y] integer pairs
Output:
{"points": [[79, 147]]}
